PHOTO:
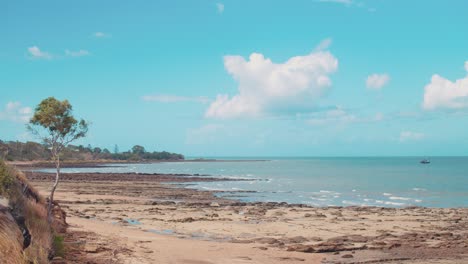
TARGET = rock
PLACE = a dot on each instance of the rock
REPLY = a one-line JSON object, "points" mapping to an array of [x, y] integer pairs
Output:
{"points": [[267, 240], [291, 259], [214, 204], [296, 240], [347, 256], [301, 248], [350, 238], [324, 247], [316, 239], [187, 220], [241, 241], [393, 245], [3, 202], [58, 260], [90, 248]]}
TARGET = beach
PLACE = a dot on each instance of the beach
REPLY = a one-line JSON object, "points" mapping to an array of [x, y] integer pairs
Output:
{"points": [[140, 218]]}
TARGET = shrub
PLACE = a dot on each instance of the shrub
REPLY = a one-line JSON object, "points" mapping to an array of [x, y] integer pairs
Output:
{"points": [[6, 179], [59, 247]]}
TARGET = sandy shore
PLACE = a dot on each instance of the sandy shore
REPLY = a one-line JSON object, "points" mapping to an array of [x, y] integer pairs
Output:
{"points": [[141, 219]]}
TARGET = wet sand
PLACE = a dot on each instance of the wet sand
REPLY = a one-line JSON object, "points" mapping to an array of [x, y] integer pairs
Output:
{"points": [[151, 221]]}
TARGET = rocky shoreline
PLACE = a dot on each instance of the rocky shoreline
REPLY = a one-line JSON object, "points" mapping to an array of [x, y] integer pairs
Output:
{"points": [[279, 232]]}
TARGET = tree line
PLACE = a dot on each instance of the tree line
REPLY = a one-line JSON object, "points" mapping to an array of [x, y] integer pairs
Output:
{"points": [[29, 151]]}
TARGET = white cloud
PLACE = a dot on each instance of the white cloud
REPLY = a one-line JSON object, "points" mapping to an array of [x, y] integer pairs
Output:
{"points": [[164, 98], [335, 116], [443, 93], [101, 35], [377, 81], [339, 116], [220, 7], [15, 112], [324, 44], [78, 53], [265, 86], [345, 2], [349, 3], [35, 52], [411, 136]]}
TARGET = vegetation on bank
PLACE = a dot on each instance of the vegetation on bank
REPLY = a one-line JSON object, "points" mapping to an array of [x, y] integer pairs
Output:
{"points": [[29, 151], [25, 233]]}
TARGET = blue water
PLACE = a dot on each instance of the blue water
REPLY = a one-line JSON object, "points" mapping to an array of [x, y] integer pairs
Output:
{"points": [[390, 182]]}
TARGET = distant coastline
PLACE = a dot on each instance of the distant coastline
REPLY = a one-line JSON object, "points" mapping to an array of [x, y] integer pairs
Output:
{"points": [[38, 164]]}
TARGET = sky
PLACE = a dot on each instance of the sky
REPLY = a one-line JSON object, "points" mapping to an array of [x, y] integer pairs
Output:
{"points": [[244, 78]]}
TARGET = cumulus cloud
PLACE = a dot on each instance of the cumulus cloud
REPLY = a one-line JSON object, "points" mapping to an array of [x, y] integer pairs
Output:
{"points": [[37, 53], [410, 136], [443, 93], [377, 81], [78, 53], [265, 86], [164, 98], [15, 112], [220, 7]]}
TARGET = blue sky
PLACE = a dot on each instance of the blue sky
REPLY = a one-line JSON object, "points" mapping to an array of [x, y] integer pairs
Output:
{"points": [[244, 78]]}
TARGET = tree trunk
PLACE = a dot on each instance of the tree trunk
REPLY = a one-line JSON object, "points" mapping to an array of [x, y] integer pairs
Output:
{"points": [[50, 206]]}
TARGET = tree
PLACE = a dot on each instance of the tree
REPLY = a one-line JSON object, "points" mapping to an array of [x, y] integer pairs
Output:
{"points": [[116, 149], [54, 123], [139, 150], [3, 150], [97, 150]]}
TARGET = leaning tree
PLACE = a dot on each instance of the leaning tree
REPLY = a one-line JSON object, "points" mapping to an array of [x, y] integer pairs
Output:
{"points": [[53, 122]]}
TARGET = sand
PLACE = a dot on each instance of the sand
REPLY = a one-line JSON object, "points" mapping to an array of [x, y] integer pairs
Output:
{"points": [[132, 218]]}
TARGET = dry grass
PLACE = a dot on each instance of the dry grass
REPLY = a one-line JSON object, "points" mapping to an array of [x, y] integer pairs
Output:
{"points": [[36, 221], [11, 242], [26, 202]]}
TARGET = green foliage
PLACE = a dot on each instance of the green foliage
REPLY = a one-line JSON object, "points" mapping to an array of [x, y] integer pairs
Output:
{"points": [[139, 153], [15, 150], [30, 151], [137, 149], [56, 118], [6, 179], [59, 247]]}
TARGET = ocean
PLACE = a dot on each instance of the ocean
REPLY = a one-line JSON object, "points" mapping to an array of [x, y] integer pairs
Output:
{"points": [[388, 182]]}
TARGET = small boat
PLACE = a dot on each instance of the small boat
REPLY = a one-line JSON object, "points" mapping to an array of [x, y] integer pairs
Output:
{"points": [[425, 161]]}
